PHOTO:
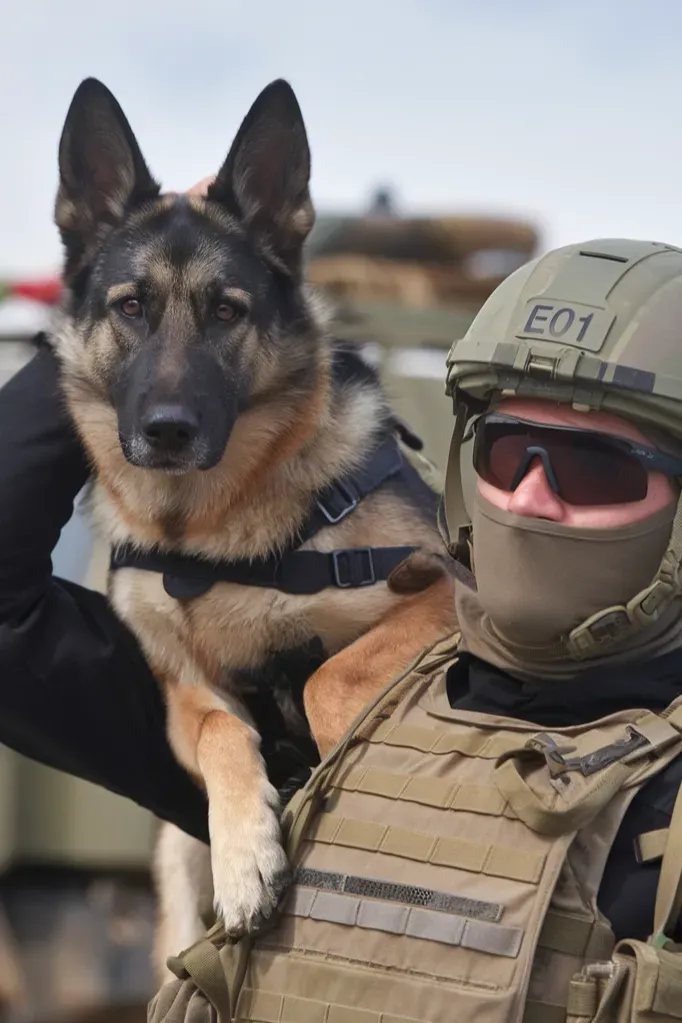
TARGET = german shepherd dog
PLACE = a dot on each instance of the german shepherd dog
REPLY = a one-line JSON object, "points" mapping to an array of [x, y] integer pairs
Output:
{"points": [[214, 405]]}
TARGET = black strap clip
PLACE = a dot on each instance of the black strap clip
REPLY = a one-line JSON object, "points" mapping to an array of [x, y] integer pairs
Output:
{"points": [[337, 502], [353, 567]]}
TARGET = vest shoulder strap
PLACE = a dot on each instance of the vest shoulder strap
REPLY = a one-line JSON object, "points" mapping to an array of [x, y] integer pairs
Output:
{"points": [[669, 892]]}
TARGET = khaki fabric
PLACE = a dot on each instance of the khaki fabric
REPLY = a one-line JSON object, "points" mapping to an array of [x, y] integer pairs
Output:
{"points": [[181, 1002], [447, 866]]}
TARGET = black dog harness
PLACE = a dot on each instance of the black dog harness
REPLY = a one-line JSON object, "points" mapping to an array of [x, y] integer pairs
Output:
{"points": [[291, 570]]}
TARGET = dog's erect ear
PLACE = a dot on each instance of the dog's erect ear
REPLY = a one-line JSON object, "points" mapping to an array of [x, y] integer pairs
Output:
{"points": [[264, 180], [102, 172]]}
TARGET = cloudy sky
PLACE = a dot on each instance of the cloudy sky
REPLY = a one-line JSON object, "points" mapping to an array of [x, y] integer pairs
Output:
{"points": [[567, 113]]}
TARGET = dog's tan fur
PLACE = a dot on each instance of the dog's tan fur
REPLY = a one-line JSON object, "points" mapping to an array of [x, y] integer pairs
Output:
{"points": [[281, 450]]}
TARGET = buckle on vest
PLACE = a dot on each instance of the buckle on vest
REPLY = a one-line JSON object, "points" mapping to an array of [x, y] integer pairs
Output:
{"points": [[555, 755], [558, 763], [348, 502], [353, 567]]}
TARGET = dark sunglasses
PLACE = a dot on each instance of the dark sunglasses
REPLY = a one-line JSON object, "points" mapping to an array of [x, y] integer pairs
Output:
{"points": [[583, 467]]}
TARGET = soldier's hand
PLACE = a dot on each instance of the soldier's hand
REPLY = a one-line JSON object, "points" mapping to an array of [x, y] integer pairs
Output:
{"points": [[201, 187]]}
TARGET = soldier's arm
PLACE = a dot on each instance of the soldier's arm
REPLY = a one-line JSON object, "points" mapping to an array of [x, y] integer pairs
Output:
{"points": [[75, 690], [627, 894]]}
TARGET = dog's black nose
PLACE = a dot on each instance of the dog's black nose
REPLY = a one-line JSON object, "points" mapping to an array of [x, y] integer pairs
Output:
{"points": [[170, 427]]}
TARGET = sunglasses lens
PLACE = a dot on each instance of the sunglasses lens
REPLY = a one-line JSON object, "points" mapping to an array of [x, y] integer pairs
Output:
{"points": [[589, 469], [500, 451], [598, 473]]}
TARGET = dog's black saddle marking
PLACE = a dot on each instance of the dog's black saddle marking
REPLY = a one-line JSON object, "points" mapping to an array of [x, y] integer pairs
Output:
{"points": [[291, 570]]}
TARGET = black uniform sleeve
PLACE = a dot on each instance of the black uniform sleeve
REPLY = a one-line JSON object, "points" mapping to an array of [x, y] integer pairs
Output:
{"points": [[75, 691], [627, 895]]}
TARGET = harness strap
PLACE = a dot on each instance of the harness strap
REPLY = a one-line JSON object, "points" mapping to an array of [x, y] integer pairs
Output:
{"points": [[342, 496], [290, 571], [299, 572]]}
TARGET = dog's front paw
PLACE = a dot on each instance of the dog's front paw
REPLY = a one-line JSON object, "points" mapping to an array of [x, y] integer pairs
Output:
{"points": [[250, 868]]}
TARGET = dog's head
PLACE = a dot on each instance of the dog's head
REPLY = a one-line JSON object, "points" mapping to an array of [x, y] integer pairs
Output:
{"points": [[183, 311]]}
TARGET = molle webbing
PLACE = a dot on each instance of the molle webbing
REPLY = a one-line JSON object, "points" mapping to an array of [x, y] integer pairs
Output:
{"points": [[440, 793], [457, 853], [441, 742], [431, 925], [303, 805], [269, 1007]]}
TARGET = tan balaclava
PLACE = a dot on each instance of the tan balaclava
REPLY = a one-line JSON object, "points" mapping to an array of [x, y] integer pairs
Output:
{"points": [[535, 580]]}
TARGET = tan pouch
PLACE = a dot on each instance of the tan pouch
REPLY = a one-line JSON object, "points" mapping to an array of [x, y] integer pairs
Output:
{"points": [[180, 1001], [640, 984], [207, 974]]}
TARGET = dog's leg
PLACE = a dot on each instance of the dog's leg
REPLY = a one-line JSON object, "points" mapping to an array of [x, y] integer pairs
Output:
{"points": [[184, 886], [249, 865], [337, 692]]}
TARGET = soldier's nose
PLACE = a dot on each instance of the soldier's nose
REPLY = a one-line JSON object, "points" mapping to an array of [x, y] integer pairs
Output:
{"points": [[534, 496]]}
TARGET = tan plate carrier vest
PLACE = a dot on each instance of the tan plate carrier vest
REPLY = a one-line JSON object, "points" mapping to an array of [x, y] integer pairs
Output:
{"points": [[447, 865]]}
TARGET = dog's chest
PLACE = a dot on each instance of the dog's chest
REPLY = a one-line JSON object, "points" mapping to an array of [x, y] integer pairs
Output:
{"points": [[230, 627]]}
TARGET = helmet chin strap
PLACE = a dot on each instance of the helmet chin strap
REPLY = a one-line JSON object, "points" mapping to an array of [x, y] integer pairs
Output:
{"points": [[602, 630], [452, 511]]}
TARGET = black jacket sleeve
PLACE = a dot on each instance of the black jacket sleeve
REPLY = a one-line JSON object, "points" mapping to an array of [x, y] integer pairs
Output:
{"points": [[75, 690], [627, 895]]}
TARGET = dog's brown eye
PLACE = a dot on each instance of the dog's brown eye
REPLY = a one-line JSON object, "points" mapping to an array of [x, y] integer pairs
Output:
{"points": [[131, 307], [226, 312]]}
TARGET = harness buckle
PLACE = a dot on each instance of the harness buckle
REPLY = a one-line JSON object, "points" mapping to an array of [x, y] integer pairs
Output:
{"points": [[349, 566], [345, 506]]}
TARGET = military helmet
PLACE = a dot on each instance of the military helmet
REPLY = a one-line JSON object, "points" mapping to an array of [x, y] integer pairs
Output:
{"points": [[597, 325]]}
